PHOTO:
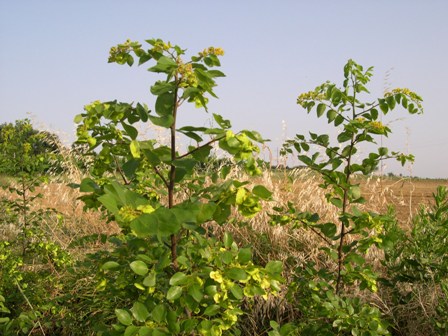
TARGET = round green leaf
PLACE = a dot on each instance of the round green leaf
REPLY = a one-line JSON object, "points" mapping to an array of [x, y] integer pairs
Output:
{"points": [[178, 279], [110, 265], [236, 274], [131, 331], [123, 316], [139, 267], [174, 293], [140, 312]]}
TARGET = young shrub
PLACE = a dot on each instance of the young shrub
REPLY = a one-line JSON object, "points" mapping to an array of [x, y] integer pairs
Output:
{"points": [[323, 295], [168, 274]]}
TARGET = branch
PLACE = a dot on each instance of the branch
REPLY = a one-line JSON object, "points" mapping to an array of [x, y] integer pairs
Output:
{"points": [[200, 147], [319, 234], [157, 171], [368, 110], [120, 171]]}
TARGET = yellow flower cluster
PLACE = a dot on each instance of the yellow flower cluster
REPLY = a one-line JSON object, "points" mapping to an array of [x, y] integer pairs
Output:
{"points": [[161, 46], [188, 77], [404, 91], [128, 213], [116, 53], [377, 127], [414, 97], [212, 51], [311, 95]]}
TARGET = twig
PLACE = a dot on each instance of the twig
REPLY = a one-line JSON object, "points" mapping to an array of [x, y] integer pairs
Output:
{"points": [[31, 306]]}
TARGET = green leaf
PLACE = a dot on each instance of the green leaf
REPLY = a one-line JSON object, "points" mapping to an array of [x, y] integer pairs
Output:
{"points": [[173, 325], [328, 229], [178, 278], [391, 102], [160, 222], [383, 106], [383, 151], [164, 64], [336, 201], [135, 149], [354, 192], [131, 331], [344, 136], [142, 112], [139, 311], [244, 255], [320, 109], [130, 130], [195, 291], [161, 87], [262, 192], [223, 123], [159, 313], [145, 331], [338, 120], [145, 225], [174, 293], [78, 118], [110, 265], [130, 167], [88, 185], [212, 310], [123, 316], [164, 104], [216, 73], [274, 267], [228, 240], [237, 292], [139, 267], [150, 280], [336, 97], [235, 273], [165, 121], [206, 212], [331, 115], [355, 258]]}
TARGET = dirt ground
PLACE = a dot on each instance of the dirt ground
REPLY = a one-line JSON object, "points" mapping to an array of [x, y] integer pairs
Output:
{"points": [[405, 194]]}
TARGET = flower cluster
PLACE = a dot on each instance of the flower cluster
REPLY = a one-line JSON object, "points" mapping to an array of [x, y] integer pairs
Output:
{"points": [[310, 95], [117, 53], [377, 127], [188, 77], [161, 46], [212, 51], [404, 91]]}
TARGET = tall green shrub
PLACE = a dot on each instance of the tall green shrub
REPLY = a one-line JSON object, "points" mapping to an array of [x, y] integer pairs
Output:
{"points": [[168, 273], [323, 295]]}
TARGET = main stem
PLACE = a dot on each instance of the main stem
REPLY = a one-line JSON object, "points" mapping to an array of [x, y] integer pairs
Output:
{"points": [[345, 199], [24, 217], [172, 177], [344, 210]]}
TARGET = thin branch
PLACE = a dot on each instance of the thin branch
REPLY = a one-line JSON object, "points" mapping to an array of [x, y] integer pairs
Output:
{"points": [[318, 233], [368, 110], [120, 171], [31, 306], [157, 171], [200, 147]]}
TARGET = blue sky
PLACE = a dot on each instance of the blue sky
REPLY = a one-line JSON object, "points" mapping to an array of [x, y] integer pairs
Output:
{"points": [[53, 61]]}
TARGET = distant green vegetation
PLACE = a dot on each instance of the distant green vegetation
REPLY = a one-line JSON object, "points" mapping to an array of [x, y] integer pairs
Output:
{"points": [[24, 149]]}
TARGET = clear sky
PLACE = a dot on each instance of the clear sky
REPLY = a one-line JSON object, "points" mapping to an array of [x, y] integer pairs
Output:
{"points": [[53, 61]]}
